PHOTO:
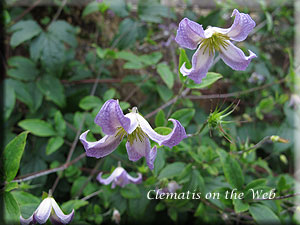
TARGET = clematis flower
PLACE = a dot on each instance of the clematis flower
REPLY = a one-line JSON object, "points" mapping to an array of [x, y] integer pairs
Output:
{"points": [[172, 187], [119, 177], [116, 126], [48, 208], [191, 34], [116, 217]]}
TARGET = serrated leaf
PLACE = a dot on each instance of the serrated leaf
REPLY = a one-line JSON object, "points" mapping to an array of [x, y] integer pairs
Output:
{"points": [[37, 127], [23, 31], [64, 32], [166, 74], [12, 155], [54, 144]]}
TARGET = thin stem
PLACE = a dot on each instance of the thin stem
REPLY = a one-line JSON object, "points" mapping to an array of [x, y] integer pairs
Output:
{"points": [[59, 11], [91, 195], [259, 144], [199, 131]]}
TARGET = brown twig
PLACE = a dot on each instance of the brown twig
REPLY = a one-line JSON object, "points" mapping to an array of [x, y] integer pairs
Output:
{"points": [[25, 12], [89, 81]]}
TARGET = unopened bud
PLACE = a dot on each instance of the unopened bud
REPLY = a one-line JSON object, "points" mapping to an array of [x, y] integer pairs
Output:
{"points": [[275, 138], [116, 217]]}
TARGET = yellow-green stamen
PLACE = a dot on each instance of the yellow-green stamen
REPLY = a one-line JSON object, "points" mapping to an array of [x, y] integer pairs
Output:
{"points": [[214, 43], [138, 133]]}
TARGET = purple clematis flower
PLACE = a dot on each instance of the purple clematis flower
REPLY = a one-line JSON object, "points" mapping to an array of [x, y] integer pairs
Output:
{"points": [[48, 208], [119, 177], [190, 34], [172, 187], [138, 131]]}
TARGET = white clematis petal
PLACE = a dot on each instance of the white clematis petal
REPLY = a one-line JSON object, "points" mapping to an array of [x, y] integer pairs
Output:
{"points": [[42, 213], [64, 219]]}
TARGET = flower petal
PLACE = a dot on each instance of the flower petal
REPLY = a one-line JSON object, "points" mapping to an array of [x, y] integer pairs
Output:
{"points": [[242, 25], [170, 140], [135, 180], [189, 34], [42, 213], [26, 221], [235, 57], [117, 172], [133, 121], [110, 117], [100, 148], [201, 62], [65, 219], [139, 148]]}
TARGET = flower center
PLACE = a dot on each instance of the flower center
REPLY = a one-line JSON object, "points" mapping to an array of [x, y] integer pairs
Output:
{"points": [[138, 133], [214, 43]]}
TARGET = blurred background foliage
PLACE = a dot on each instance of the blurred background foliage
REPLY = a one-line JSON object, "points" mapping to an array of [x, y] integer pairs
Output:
{"points": [[64, 61]]}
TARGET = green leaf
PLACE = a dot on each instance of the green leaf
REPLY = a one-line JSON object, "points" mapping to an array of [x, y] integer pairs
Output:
{"points": [[22, 68], [160, 119], [239, 205], [196, 182], [118, 7], [232, 170], [130, 191], [23, 31], [172, 170], [64, 32], [91, 8], [37, 127], [164, 92], [90, 102], [208, 80], [151, 59], [183, 59], [50, 50], [53, 90], [152, 11], [73, 204], [124, 105], [184, 115], [109, 94], [9, 100], [60, 124], [256, 183], [77, 185], [28, 203], [54, 144], [159, 162], [11, 186], [263, 214], [163, 130], [12, 155], [166, 74], [11, 209]]}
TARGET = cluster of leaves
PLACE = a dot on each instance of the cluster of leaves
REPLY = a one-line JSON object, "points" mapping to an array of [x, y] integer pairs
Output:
{"points": [[60, 74]]}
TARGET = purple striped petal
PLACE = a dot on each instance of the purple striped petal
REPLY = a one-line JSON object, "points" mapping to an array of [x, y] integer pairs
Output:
{"points": [[110, 117], [117, 172], [26, 221], [242, 25], [135, 180], [189, 34], [100, 148], [235, 57], [64, 219], [201, 62], [138, 149], [42, 213], [170, 140]]}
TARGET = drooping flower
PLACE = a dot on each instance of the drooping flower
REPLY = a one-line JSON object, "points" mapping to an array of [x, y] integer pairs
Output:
{"points": [[172, 187], [116, 217], [48, 208], [120, 178], [191, 34], [138, 131]]}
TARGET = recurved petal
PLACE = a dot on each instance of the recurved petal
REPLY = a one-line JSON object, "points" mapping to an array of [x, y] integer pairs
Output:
{"points": [[135, 180], [42, 213], [133, 121], [64, 219], [101, 148], [117, 172], [170, 140], [189, 33], [242, 25], [235, 57], [201, 62], [110, 117], [26, 221]]}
